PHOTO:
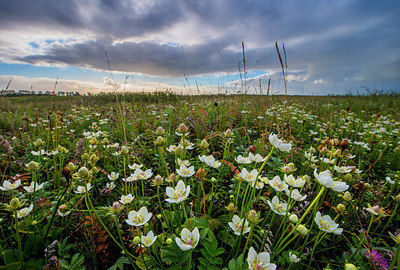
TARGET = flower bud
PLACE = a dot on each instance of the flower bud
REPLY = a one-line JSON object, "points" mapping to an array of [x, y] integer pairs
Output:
{"points": [[158, 180], [38, 143], [93, 158], [348, 178], [160, 131], [94, 170], [15, 204], [324, 150], [159, 216], [83, 173], [136, 240], [228, 133], [335, 142], [302, 230], [32, 166], [116, 207], [204, 144], [105, 141], [338, 153], [71, 167], [344, 144], [179, 150], [293, 218], [183, 129], [63, 208], [168, 241], [124, 150], [85, 156], [159, 141], [200, 174], [253, 217], [231, 207], [350, 266], [93, 141], [340, 208], [172, 177], [397, 198]]}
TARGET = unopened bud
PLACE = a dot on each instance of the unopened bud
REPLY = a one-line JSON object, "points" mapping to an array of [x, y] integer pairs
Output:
{"points": [[158, 180], [93, 158], [302, 230], [85, 156], [63, 208], [168, 241], [159, 141], [116, 207], [338, 153], [83, 173], [93, 141], [38, 143], [324, 150], [15, 204], [71, 167], [228, 133], [183, 129], [348, 196], [32, 166], [105, 141], [160, 131], [172, 177], [159, 216], [124, 150], [136, 240], [350, 266], [253, 217], [348, 178], [231, 207], [200, 174], [340, 208], [335, 142], [179, 150], [204, 144], [293, 218], [397, 198]]}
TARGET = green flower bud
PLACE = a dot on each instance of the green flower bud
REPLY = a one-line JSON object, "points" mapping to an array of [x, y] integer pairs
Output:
{"points": [[15, 204], [93, 141], [348, 178], [93, 158], [340, 208], [204, 144], [348, 196], [168, 241], [124, 150], [85, 156], [228, 133], [293, 218], [350, 266], [158, 180], [159, 141], [136, 240], [32, 166], [302, 230], [83, 173], [179, 150], [183, 129], [38, 143], [71, 167], [397, 198], [105, 141], [160, 131], [253, 217], [231, 207]]}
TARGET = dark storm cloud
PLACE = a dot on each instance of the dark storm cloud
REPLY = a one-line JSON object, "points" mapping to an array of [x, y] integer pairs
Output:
{"points": [[327, 40]]}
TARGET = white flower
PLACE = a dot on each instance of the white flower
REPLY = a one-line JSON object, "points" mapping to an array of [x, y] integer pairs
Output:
{"points": [[138, 218], [277, 206], [278, 143], [110, 185], [36, 153], [296, 195], [242, 160], [179, 194], [259, 261], [343, 169], [24, 212], [277, 184], [249, 176], [31, 187], [293, 182], [130, 178], [171, 148], [113, 176], [142, 175], [7, 185], [148, 240], [310, 157], [340, 186], [188, 240], [376, 210], [327, 160], [184, 171], [135, 166], [293, 257], [237, 225], [324, 178], [256, 158], [389, 180], [326, 224], [82, 189], [259, 185], [126, 199], [183, 162]]}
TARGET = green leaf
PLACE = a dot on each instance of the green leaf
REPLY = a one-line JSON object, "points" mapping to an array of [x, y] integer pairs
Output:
{"points": [[238, 264], [119, 264]]}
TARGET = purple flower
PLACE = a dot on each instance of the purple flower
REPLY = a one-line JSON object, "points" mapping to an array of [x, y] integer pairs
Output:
{"points": [[377, 258]]}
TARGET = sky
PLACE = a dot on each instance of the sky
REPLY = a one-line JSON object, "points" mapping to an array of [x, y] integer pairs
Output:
{"points": [[195, 46]]}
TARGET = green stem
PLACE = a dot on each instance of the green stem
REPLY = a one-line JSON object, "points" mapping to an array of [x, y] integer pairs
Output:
{"points": [[396, 259], [21, 255]]}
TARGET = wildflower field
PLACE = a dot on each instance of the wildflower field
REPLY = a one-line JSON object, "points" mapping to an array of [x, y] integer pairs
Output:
{"points": [[160, 181]]}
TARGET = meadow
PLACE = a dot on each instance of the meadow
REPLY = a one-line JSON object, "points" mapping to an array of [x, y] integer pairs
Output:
{"points": [[162, 181]]}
